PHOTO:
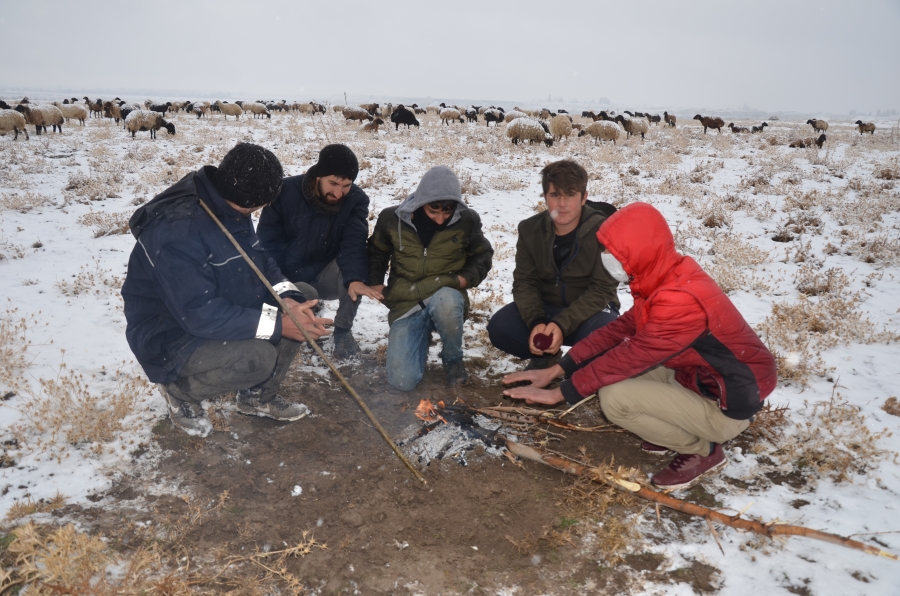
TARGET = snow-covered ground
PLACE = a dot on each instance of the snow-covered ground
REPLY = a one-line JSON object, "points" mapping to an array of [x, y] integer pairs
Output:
{"points": [[825, 295]]}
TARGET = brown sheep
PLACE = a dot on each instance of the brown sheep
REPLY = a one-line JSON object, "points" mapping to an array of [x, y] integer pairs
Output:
{"points": [[710, 122], [372, 126], [868, 127], [808, 142], [669, 118], [737, 128], [95, 107]]}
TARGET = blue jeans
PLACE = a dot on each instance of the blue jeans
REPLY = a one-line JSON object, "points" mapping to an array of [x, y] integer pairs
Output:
{"points": [[409, 337]]}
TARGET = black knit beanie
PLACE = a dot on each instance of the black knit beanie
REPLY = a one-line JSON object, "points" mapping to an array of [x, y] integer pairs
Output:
{"points": [[335, 160], [249, 176]]}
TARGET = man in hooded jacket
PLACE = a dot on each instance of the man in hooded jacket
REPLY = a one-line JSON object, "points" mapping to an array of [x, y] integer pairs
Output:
{"points": [[681, 369], [199, 320], [435, 248]]}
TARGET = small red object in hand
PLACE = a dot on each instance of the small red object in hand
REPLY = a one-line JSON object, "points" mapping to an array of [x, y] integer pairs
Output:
{"points": [[542, 341]]}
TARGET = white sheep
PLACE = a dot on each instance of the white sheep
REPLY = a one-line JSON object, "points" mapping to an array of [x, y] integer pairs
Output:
{"points": [[633, 127], [257, 109], [514, 114], [527, 129], [146, 120], [433, 108], [230, 109], [338, 108], [560, 126], [73, 110], [602, 130], [11, 120], [448, 114], [356, 113], [42, 116]]}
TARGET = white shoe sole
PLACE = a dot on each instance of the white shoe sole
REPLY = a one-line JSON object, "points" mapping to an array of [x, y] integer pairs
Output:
{"points": [[251, 411]]}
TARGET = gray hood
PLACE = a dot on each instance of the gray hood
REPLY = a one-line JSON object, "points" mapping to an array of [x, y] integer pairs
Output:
{"points": [[438, 184]]}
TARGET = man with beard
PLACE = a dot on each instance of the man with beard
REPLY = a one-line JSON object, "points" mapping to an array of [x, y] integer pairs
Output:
{"points": [[316, 231]]}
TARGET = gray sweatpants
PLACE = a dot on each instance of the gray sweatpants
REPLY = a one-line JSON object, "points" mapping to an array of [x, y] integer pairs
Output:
{"points": [[658, 409], [329, 285], [219, 367]]}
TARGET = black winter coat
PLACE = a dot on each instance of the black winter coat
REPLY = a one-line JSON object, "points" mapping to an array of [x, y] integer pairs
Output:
{"points": [[186, 284], [303, 240]]}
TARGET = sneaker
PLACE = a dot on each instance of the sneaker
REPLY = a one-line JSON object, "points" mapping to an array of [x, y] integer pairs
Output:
{"points": [[653, 449], [687, 470], [542, 362], [345, 345], [277, 407], [188, 416], [456, 374]]}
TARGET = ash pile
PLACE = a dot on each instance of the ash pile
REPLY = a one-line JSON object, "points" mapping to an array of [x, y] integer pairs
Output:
{"points": [[454, 432]]}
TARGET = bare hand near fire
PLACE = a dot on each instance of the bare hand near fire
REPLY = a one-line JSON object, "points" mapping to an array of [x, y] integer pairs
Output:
{"points": [[533, 395], [537, 378], [358, 288], [313, 325]]}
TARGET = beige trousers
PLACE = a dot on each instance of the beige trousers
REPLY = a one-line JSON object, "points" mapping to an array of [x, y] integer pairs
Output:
{"points": [[658, 409]]}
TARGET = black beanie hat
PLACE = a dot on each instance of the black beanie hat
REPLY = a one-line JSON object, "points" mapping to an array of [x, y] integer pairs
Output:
{"points": [[249, 176], [335, 160]]}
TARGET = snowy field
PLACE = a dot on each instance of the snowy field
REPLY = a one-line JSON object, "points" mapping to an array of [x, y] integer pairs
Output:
{"points": [[806, 242]]}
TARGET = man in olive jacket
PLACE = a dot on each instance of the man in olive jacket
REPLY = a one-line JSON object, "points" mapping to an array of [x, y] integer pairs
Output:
{"points": [[436, 250], [560, 287]]}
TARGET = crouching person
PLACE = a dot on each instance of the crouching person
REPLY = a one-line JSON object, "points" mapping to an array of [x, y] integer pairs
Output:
{"points": [[435, 249], [316, 231], [681, 369], [199, 320], [560, 288]]}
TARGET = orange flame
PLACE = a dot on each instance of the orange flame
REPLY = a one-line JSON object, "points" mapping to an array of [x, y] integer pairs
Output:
{"points": [[427, 412]]}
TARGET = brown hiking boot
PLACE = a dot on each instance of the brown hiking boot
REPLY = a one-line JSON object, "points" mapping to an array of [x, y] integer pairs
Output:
{"points": [[654, 449], [686, 470]]}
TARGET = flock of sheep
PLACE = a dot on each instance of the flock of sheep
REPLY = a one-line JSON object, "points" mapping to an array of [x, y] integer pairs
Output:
{"points": [[541, 126]]}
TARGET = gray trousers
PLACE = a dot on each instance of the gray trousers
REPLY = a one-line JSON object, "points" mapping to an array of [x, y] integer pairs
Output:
{"points": [[329, 285], [219, 367]]}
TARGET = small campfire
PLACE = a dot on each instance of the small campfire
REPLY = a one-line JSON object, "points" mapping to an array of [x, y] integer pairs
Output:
{"points": [[453, 432]]}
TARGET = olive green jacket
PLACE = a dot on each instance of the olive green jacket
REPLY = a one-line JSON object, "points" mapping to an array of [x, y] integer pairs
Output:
{"points": [[582, 285], [418, 271]]}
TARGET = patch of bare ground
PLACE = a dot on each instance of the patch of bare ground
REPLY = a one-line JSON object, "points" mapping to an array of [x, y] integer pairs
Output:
{"points": [[210, 510]]}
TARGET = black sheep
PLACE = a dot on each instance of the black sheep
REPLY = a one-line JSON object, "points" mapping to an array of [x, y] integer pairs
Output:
{"points": [[162, 108], [754, 129], [403, 116], [494, 115], [4, 105], [472, 114]]}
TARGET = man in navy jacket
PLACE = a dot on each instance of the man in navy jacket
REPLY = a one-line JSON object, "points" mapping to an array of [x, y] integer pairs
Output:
{"points": [[316, 231], [199, 320]]}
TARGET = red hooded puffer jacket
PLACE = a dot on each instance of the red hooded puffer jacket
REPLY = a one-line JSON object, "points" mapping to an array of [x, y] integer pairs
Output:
{"points": [[680, 319]]}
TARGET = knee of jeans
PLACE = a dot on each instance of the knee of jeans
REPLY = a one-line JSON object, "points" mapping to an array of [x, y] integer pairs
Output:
{"points": [[403, 379], [448, 301]]}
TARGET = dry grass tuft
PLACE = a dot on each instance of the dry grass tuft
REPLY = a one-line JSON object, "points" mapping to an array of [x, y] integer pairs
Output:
{"points": [[68, 411], [23, 202], [106, 224], [14, 344], [29, 506], [90, 281], [891, 406], [834, 441]]}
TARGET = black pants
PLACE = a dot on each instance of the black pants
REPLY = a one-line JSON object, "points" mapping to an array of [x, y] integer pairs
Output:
{"points": [[219, 367], [508, 332]]}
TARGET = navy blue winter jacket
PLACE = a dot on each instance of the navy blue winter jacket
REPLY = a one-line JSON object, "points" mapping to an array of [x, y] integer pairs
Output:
{"points": [[187, 284], [302, 240]]}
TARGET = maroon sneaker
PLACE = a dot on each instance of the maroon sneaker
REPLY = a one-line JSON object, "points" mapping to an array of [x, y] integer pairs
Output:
{"points": [[687, 470], [654, 449]]}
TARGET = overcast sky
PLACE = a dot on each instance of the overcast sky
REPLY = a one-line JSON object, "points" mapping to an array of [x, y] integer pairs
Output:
{"points": [[827, 56]]}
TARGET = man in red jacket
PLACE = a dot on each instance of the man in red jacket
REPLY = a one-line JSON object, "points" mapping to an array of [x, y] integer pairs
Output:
{"points": [[681, 369]]}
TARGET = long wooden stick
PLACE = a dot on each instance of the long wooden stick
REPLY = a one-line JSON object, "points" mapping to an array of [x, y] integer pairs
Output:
{"points": [[316, 347], [770, 530]]}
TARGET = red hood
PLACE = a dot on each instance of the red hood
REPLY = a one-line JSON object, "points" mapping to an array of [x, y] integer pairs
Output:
{"points": [[638, 236]]}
